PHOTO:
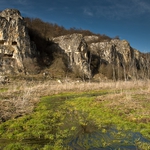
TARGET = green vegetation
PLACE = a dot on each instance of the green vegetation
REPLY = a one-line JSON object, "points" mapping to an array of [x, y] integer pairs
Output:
{"points": [[42, 33], [84, 120], [46, 30], [3, 89]]}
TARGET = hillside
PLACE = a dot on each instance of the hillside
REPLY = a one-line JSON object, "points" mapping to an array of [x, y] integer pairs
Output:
{"points": [[31, 46], [106, 58]]}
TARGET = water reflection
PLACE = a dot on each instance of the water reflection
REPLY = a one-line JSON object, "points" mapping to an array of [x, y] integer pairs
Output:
{"points": [[111, 139]]}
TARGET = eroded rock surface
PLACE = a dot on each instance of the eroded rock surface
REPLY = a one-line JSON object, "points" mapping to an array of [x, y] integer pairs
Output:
{"points": [[76, 49], [118, 60], [114, 59], [87, 55], [15, 45]]}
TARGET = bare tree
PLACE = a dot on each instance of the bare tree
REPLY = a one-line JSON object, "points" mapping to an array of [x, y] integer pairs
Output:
{"points": [[1, 59], [113, 61]]}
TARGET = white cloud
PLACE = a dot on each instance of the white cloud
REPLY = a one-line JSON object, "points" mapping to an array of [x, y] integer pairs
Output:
{"points": [[117, 9], [143, 6], [88, 12], [22, 2], [51, 9]]}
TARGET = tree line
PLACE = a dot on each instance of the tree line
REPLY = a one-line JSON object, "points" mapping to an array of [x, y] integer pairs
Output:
{"points": [[41, 33]]}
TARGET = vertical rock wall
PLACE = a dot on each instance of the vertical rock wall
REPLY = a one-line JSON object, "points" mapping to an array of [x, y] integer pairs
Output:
{"points": [[75, 47], [115, 59], [15, 43]]}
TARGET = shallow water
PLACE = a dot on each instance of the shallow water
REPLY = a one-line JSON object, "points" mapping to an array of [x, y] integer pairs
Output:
{"points": [[112, 139], [96, 139]]}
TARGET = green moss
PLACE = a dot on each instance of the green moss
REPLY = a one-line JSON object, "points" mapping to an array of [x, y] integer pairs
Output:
{"points": [[3, 89], [59, 119]]}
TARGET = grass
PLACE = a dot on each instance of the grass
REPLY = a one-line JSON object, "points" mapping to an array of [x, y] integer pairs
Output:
{"points": [[3, 89], [56, 113]]}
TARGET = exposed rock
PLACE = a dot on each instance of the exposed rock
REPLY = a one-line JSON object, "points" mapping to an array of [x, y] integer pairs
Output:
{"points": [[90, 39], [114, 59], [15, 45], [118, 60], [76, 49], [4, 80]]}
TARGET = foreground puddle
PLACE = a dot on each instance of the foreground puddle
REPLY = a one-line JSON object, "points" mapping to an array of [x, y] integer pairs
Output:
{"points": [[112, 139], [67, 119], [106, 139]]}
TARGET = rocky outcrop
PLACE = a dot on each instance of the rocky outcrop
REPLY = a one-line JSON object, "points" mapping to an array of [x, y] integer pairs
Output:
{"points": [[76, 49], [118, 60], [114, 59], [15, 45], [86, 56]]}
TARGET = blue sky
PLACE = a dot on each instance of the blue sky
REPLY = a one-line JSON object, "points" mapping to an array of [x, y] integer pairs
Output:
{"points": [[128, 19]]}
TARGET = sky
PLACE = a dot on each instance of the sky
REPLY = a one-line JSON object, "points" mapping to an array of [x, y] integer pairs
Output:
{"points": [[128, 19]]}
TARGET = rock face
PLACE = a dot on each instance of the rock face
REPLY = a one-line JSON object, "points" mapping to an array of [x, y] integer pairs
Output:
{"points": [[114, 59], [87, 56], [118, 60], [15, 45], [76, 49]]}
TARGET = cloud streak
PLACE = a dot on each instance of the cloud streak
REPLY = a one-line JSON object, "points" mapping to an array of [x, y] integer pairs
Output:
{"points": [[117, 9], [144, 7], [22, 2], [88, 12]]}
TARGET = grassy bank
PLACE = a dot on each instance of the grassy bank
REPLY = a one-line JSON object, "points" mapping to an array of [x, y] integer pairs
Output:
{"points": [[68, 115]]}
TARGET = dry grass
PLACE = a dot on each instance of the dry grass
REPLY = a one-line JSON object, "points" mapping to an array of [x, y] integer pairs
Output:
{"points": [[132, 101], [21, 96]]}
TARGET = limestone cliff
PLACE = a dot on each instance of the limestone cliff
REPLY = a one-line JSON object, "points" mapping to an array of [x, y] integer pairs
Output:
{"points": [[15, 45], [118, 60], [88, 56], [114, 59], [76, 49]]}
